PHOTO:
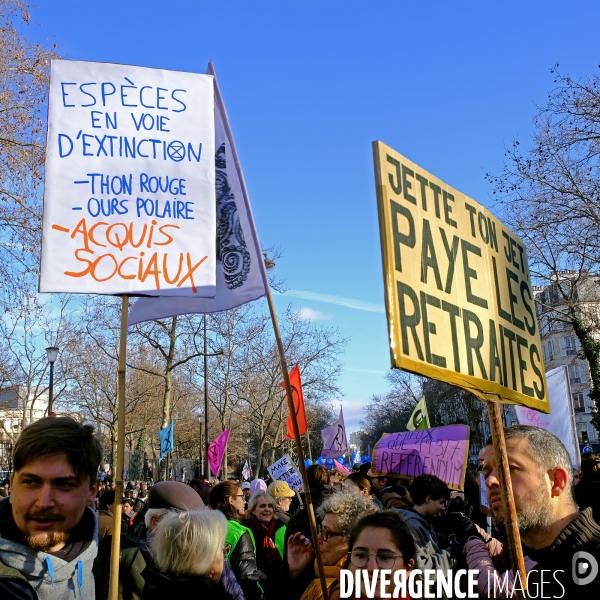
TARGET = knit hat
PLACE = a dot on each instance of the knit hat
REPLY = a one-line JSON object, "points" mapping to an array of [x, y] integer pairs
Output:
{"points": [[257, 485]]}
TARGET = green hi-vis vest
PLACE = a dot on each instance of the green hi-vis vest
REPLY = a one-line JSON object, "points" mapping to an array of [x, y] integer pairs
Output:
{"points": [[280, 539], [235, 531]]}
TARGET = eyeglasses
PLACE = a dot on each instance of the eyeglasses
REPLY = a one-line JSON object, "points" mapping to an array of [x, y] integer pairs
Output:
{"points": [[385, 560], [326, 533]]}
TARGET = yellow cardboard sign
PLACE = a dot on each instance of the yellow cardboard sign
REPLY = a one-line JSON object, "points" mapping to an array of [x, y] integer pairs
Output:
{"points": [[459, 302]]}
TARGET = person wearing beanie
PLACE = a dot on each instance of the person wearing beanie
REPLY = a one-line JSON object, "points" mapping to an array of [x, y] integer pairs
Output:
{"points": [[257, 485]]}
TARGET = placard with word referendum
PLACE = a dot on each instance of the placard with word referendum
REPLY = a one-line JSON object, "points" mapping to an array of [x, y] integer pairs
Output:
{"points": [[459, 301], [129, 201], [440, 451], [285, 470]]}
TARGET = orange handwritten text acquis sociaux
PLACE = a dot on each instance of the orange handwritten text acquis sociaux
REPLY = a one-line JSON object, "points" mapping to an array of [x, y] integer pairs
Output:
{"points": [[119, 237]]}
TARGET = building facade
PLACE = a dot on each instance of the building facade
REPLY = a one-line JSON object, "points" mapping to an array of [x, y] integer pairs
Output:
{"points": [[560, 345]]}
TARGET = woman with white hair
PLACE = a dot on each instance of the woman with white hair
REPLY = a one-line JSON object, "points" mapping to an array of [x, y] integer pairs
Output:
{"points": [[339, 514], [269, 534], [187, 548]]}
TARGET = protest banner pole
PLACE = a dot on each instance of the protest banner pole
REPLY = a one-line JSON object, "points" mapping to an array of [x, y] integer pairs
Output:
{"points": [[308, 442], [284, 368], [292, 409], [113, 590], [506, 494]]}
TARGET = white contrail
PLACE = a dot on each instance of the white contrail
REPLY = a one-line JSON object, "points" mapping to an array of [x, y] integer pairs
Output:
{"points": [[339, 300]]}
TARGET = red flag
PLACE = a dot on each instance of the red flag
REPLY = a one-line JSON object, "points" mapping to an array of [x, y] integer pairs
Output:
{"points": [[298, 399]]}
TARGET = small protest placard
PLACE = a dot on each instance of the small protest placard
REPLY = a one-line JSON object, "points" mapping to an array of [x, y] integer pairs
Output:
{"points": [[285, 470], [441, 451], [129, 200], [484, 505]]}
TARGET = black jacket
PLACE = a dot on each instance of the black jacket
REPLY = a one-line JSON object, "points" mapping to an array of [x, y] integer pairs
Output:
{"points": [[243, 564], [135, 564], [160, 586], [557, 564], [587, 493]]}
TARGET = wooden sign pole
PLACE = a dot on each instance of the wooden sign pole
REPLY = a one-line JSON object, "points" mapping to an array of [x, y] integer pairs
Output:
{"points": [[113, 590], [292, 409], [506, 495]]}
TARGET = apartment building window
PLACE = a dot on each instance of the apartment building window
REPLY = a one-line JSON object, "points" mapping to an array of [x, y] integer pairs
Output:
{"points": [[568, 345], [579, 402], [548, 349], [591, 431], [576, 374]]}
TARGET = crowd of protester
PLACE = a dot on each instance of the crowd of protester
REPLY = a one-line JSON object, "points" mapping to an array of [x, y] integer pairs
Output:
{"points": [[232, 541]]}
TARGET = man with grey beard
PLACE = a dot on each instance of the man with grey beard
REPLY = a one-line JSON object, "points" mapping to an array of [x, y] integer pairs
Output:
{"points": [[562, 541]]}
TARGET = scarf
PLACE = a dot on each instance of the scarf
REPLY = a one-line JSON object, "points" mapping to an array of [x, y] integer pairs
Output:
{"points": [[264, 535]]}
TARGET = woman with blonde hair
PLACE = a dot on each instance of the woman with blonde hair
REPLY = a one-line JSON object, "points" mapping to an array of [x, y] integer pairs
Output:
{"points": [[187, 548], [269, 534]]}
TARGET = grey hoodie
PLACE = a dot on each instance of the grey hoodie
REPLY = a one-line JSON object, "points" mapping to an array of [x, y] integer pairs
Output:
{"points": [[52, 578], [429, 555]]}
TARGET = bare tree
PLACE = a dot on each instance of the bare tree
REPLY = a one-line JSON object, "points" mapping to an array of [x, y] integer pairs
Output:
{"points": [[316, 350], [28, 326], [550, 194], [24, 70], [390, 412]]}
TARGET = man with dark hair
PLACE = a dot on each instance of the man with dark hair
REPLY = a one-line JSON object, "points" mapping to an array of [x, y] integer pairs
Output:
{"points": [[429, 495], [561, 539], [105, 515], [48, 533], [389, 491]]}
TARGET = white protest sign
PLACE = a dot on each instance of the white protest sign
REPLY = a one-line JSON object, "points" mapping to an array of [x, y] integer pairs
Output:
{"points": [[561, 420], [285, 470], [129, 201], [484, 505]]}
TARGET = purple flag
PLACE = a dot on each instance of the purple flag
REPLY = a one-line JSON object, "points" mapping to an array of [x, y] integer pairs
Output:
{"points": [[334, 439], [241, 274], [216, 452]]}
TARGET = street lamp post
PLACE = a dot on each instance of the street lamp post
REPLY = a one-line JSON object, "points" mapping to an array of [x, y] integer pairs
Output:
{"points": [[52, 354], [201, 450]]}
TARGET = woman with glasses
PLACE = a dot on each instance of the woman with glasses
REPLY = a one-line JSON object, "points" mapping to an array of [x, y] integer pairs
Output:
{"points": [[269, 535], [187, 548], [339, 514], [228, 497], [381, 541]]}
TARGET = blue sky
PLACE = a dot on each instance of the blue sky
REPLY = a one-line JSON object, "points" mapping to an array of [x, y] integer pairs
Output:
{"points": [[310, 84]]}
